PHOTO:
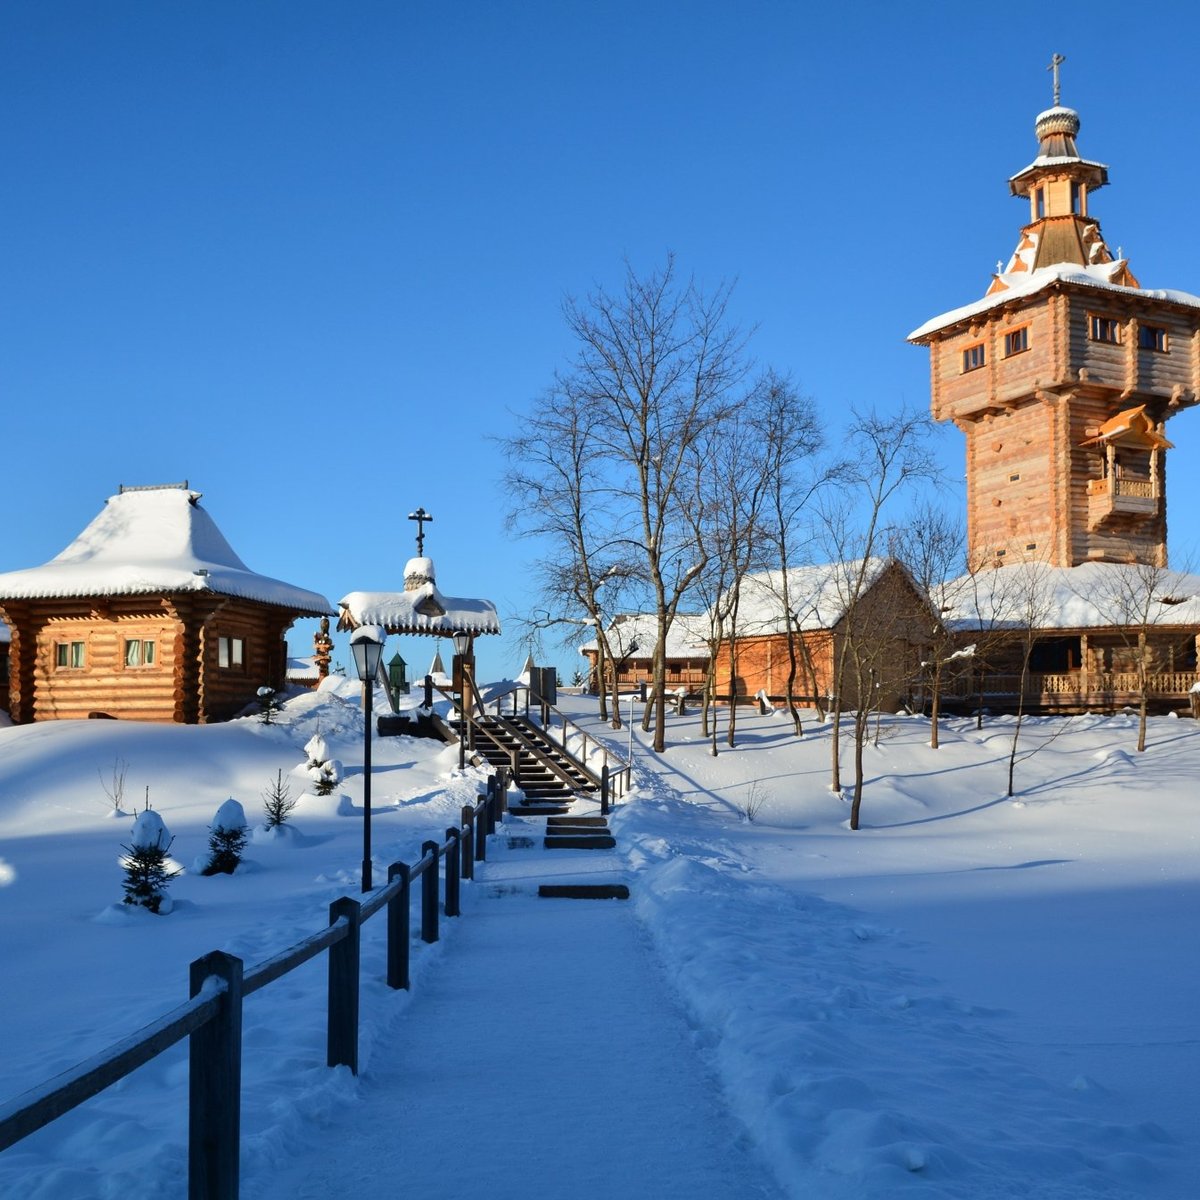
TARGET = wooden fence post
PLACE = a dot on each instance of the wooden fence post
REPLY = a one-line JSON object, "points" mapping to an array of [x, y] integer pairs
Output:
{"points": [[480, 811], [453, 858], [342, 1032], [491, 803], [604, 789], [468, 842], [215, 1085], [398, 927], [429, 893], [514, 765]]}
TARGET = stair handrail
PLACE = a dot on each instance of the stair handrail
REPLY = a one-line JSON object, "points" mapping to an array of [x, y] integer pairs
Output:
{"points": [[514, 731], [620, 778]]}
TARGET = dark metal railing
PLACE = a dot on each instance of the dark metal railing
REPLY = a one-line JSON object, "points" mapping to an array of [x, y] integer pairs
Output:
{"points": [[212, 1016]]}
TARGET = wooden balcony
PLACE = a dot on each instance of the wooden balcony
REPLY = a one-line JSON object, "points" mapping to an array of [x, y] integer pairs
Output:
{"points": [[1118, 496], [1077, 690]]}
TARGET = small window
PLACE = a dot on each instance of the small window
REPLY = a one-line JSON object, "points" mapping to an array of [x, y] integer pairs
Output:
{"points": [[1001, 553], [1016, 341], [69, 655], [1104, 329], [1031, 545], [974, 357], [231, 653], [1040, 195], [1075, 198], [139, 653], [1152, 337], [1016, 478]]}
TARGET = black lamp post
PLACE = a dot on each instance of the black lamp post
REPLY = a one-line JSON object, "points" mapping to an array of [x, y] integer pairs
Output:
{"points": [[462, 647], [366, 644]]}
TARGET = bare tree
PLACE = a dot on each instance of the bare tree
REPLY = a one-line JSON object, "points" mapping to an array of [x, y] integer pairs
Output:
{"points": [[656, 365], [931, 545], [888, 455]]}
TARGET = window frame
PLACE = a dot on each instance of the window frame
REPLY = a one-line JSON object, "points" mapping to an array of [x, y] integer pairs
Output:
{"points": [[70, 655], [1159, 342], [1100, 325], [227, 658], [974, 357], [147, 653], [1011, 338]]}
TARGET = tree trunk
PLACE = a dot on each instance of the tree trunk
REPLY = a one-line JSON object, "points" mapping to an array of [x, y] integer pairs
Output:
{"points": [[935, 701], [861, 718]]}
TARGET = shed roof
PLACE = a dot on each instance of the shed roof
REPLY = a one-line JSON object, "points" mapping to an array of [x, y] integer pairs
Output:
{"points": [[151, 540], [634, 634], [819, 595]]}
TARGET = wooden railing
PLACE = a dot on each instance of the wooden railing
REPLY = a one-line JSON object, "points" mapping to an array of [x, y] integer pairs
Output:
{"points": [[1075, 683], [615, 776], [212, 1016]]}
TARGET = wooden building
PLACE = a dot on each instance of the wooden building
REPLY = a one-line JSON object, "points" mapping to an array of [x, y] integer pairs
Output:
{"points": [[1062, 379], [631, 638], [148, 614], [867, 617]]}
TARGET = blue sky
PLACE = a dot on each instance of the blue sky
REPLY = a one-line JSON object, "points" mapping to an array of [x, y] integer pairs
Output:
{"points": [[311, 257]]}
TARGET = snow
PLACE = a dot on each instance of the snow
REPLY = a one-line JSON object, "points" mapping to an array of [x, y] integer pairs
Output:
{"points": [[149, 832], [687, 637], [1088, 596], [1022, 284], [425, 610], [819, 595], [154, 540], [231, 816], [969, 996]]}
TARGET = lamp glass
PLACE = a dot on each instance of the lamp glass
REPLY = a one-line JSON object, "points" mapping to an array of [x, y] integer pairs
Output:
{"points": [[367, 654]]}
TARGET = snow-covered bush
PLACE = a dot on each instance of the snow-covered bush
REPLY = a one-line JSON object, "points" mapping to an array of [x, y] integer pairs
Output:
{"points": [[226, 840], [277, 802], [325, 772], [268, 704], [147, 871]]}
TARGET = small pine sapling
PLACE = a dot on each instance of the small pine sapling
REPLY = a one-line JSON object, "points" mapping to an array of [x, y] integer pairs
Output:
{"points": [[277, 802], [147, 871], [226, 839], [268, 704], [325, 772]]}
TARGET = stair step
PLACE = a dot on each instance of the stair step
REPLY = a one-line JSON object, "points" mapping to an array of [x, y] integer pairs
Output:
{"points": [[584, 891], [580, 842], [539, 810], [557, 831], [603, 821]]}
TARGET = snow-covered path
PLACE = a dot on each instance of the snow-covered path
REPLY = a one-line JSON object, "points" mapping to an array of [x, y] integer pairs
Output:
{"points": [[542, 1056]]}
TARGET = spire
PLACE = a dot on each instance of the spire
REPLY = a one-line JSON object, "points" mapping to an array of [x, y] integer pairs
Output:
{"points": [[1058, 185]]}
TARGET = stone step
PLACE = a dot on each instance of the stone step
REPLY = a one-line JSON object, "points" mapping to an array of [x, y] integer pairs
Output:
{"points": [[584, 891], [580, 842]]}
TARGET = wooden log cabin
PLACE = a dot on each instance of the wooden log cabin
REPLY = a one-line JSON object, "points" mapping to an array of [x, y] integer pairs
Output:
{"points": [[631, 638], [1062, 378], [150, 615], [870, 609]]}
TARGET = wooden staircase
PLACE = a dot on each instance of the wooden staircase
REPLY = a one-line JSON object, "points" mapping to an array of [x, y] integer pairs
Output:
{"points": [[550, 777]]}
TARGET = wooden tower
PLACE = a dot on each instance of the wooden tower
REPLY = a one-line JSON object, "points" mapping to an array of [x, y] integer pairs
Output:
{"points": [[1062, 378]]}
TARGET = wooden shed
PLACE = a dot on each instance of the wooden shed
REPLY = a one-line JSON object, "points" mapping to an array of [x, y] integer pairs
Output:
{"points": [[631, 638], [147, 614], [872, 605]]}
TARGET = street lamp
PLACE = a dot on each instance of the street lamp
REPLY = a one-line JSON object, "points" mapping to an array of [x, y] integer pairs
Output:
{"points": [[366, 644], [462, 647]]}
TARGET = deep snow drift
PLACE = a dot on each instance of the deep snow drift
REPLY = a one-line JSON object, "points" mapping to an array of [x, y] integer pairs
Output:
{"points": [[970, 996]]}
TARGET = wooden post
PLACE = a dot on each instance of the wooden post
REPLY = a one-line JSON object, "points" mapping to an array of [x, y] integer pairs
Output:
{"points": [[467, 843], [215, 1084], [341, 1043], [514, 764], [604, 802], [480, 811], [398, 932], [428, 691], [452, 865], [429, 893], [491, 804]]}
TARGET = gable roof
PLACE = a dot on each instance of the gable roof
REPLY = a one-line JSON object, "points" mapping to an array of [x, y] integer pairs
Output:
{"points": [[633, 635], [150, 540], [423, 611], [819, 595]]}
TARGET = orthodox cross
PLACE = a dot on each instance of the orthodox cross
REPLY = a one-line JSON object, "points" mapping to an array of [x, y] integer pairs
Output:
{"points": [[1056, 61], [420, 516]]}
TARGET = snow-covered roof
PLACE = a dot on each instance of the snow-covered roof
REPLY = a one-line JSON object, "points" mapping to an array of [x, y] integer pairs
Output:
{"points": [[302, 668], [423, 611], [819, 595], [153, 540], [633, 635], [1090, 596], [1021, 284]]}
